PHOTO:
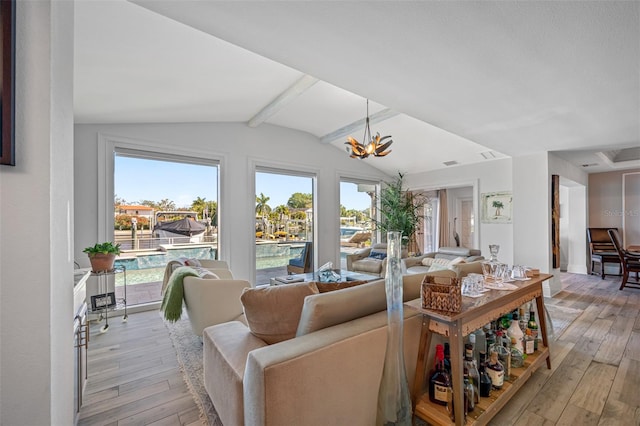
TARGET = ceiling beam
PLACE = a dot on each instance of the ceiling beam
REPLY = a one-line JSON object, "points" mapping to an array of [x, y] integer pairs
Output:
{"points": [[295, 90], [379, 116]]}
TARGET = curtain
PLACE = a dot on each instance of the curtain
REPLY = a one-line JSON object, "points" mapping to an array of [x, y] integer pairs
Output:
{"points": [[443, 215]]}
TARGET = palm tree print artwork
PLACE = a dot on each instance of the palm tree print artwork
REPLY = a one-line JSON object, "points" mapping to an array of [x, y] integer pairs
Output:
{"points": [[496, 207]]}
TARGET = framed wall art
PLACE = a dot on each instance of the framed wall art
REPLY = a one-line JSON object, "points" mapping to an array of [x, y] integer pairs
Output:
{"points": [[497, 207], [7, 93]]}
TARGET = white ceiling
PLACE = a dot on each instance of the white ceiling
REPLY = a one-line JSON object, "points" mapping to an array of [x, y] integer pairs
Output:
{"points": [[466, 77]]}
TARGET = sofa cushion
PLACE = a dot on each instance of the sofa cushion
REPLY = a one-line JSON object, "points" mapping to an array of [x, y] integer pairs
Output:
{"points": [[335, 307], [273, 312], [368, 264]]}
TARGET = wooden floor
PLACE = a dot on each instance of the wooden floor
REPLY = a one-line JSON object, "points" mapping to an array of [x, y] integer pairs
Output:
{"points": [[595, 379], [134, 377]]}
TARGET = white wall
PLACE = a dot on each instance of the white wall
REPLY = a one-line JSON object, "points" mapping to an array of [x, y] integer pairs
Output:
{"points": [[36, 281], [490, 176], [240, 149]]}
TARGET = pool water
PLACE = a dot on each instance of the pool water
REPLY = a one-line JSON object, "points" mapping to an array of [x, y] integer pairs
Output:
{"points": [[150, 267]]}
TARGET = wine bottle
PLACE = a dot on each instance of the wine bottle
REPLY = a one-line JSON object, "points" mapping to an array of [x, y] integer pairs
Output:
{"points": [[532, 326], [447, 358], [439, 380], [469, 394], [485, 380], [471, 367], [495, 371]]}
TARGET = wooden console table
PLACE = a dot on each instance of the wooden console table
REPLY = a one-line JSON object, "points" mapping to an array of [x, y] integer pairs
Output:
{"points": [[476, 312]]}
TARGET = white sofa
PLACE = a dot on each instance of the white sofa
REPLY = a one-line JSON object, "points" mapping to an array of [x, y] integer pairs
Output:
{"points": [[472, 260], [328, 374]]}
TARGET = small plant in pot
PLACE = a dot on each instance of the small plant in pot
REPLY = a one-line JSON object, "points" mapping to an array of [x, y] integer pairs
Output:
{"points": [[102, 256]]}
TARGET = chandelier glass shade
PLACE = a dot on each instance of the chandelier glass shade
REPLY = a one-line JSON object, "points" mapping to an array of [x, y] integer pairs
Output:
{"points": [[375, 146]]}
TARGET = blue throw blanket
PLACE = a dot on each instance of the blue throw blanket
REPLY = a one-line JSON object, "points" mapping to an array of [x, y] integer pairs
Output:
{"points": [[173, 296]]}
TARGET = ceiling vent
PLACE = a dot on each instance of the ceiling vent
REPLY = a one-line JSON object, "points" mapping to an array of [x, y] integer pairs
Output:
{"points": [[590, 165], [450, 163], [488, 155]]}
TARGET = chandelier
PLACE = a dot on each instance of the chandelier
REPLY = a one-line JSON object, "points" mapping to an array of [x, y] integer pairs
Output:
{"points": [[375, 146]]}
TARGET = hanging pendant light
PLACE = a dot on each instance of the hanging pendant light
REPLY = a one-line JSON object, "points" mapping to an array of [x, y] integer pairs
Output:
{"points": [[375, 146]]}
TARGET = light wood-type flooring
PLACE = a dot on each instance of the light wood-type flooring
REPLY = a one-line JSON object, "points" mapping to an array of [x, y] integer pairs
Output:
{"points": [[594, 380]]}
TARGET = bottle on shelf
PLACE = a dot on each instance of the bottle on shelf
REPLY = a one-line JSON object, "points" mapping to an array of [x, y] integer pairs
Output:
{"points": [[447, 358], [522, 318], [480, 344], [471, 367], [495, 369], [470, 396], [532, 327], [440, 380], [485, 380], [515, 334]]}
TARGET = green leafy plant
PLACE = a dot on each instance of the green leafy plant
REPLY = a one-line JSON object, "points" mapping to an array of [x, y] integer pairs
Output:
{"points": [[103, 248], [399, 209], [498, 206]]}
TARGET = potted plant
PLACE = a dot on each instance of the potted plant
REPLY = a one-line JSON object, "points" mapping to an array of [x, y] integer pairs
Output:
{"points": [[400, 210], [102, 256]]}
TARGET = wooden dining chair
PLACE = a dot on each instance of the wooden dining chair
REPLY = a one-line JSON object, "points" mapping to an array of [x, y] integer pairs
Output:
{"points": [[630, 262], [601, 249]]}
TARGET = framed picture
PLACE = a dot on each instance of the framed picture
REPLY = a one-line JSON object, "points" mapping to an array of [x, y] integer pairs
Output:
{"points": [[496, 207], [7, 93], [102, 301]]}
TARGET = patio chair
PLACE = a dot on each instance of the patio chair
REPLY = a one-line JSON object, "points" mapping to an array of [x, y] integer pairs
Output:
{"points": [[303, 263], [630, 261]]}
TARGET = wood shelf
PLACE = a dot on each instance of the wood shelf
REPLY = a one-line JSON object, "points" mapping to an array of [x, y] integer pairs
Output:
{"points": [[487, 408], [454, 326]]}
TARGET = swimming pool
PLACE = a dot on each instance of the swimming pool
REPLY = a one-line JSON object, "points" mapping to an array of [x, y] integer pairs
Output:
{"points": [[149, 267]]}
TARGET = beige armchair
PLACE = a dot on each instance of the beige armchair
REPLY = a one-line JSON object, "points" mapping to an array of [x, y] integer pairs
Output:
{"points": [[211, 301], [372, 260]]}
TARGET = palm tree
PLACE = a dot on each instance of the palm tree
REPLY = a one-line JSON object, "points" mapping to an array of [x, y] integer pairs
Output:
{"points": [[263, 209], [498, 206]]}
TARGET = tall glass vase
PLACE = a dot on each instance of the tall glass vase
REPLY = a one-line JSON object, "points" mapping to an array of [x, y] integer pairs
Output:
{"points": [[394, 402]]}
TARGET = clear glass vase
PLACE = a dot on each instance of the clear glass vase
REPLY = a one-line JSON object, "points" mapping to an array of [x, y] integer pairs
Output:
{"points": [[394, 402]]}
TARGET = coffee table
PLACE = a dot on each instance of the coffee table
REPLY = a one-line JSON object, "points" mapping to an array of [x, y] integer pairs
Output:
{"points": [[345, 276]]}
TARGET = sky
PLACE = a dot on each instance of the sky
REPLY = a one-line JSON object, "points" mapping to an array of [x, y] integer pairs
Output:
{"points": [[141, 179]]}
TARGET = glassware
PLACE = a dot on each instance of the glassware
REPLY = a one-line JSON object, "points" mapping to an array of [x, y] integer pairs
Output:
{"points": [[394, 402], [493, 250]]}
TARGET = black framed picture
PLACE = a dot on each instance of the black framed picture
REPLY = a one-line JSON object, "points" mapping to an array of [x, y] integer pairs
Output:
{"points": [[7, 92], [102, 301]]}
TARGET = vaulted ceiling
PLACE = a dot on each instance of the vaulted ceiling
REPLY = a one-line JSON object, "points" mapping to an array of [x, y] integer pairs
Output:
{"points": [[450, 81]]}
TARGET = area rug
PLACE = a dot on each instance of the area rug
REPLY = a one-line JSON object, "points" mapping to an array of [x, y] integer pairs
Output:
{"points": [[189, 351]]}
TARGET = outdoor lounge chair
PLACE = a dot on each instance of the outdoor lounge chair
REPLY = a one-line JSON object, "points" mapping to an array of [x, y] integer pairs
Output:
{"points": [[303, 263]]}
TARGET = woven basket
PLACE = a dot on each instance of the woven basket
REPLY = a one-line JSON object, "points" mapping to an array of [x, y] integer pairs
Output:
{"points": [[441, 296]]}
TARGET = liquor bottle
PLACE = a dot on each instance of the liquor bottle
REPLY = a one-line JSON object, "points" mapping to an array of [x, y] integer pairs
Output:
{"points": [[522, 318], [471, 367], [515, 333], [439, 380], [532, 326], [485, 380], [470, 395], [480, 344], [447, 358], [495, 371]]}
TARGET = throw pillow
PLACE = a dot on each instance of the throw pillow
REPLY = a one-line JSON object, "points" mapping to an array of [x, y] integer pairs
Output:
{"points": [[427, 261], [441, 261], [438, 267], [380, 255], [456, 261], [273, 312]]}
